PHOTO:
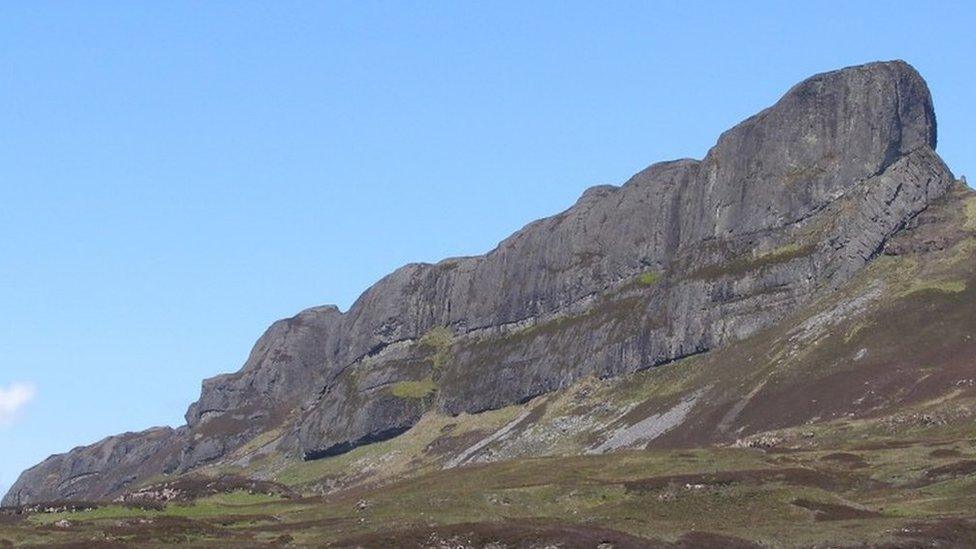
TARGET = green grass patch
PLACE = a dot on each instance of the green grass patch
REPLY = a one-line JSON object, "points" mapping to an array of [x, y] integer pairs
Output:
{"points": [[414, 389], [239, 502], [970, 209], [754, 262], [101, 513], [944, 286], [239, 498], [648, 279], [439, 340]]}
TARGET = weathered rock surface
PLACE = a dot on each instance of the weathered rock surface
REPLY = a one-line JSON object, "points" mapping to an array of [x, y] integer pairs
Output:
{"points": [[100, 470], [685, 257]]}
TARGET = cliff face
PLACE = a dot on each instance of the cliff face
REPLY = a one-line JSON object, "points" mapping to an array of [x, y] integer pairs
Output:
{"points": [[685, 257]]}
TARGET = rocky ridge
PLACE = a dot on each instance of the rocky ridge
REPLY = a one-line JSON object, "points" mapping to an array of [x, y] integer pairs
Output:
{"points": [[686, 257]]}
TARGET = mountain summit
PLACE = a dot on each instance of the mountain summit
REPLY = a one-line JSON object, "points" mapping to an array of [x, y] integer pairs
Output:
{"points": [[687, 257]]}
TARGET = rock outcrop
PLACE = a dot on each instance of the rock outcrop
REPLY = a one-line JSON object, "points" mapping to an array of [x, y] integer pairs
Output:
{"points": [[683, 258], [100, 470]]}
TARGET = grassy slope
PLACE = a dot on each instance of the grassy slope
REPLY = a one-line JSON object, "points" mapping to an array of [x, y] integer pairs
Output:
{"points": [[814, 495], [850, 422]]}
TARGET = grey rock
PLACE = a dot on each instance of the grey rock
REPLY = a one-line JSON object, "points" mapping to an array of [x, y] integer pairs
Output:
{"points": [[817, 183], [99, 471], [683, 258], [284, 365]]}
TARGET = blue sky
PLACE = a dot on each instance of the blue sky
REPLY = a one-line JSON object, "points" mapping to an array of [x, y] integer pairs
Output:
{"points": [[175, 176]]}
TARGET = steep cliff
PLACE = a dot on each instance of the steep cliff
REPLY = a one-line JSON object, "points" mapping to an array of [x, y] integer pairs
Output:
{"points": [[685, 257]]}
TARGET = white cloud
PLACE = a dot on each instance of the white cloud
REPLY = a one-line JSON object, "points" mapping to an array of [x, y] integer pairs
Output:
{"points": [[12, 398]]}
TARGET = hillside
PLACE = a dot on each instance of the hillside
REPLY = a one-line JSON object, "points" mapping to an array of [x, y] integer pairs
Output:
{"points": [[780, 334]]}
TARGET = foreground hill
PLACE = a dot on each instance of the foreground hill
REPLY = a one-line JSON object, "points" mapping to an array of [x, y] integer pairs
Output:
{"points": [[781, 334]]}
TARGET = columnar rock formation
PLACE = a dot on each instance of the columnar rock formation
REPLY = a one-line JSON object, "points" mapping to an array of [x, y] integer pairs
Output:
{"points": [[683, 258]]}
